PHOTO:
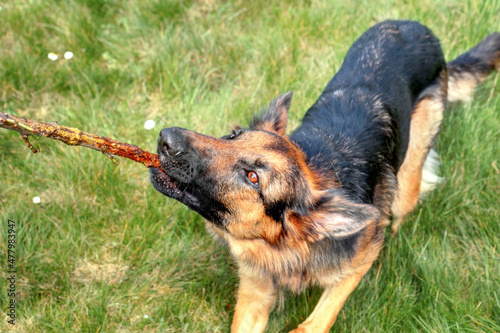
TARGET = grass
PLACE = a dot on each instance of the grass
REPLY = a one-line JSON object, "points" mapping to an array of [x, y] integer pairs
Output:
{"points": [[104, 252]]}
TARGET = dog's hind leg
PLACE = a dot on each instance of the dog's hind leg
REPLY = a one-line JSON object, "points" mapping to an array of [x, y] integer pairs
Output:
{"points": [[256, 297], [464, 74], [424, 127]]}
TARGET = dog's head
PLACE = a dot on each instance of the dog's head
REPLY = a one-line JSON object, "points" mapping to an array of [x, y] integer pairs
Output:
{"points": [[254, 183]]}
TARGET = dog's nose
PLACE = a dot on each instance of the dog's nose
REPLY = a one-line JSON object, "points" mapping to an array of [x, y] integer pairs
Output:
{"points": [[172, 141]]}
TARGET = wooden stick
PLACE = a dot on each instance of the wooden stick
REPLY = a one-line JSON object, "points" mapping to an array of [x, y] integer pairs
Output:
{"points": [[74, 137]]}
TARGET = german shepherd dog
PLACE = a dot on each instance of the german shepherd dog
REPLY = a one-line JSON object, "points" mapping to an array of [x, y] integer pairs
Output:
{"points": [[311, 207]]}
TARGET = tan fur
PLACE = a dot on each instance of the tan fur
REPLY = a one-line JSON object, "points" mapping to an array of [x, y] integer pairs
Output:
{"points": [[260, 253], [257, 293], [330, 303], [256, 297], [462, 88], [425, 122], [342, 284]]}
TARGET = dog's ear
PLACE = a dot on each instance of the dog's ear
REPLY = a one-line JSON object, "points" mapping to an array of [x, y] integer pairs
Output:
{"points": [[276, 116], [344, 218]]}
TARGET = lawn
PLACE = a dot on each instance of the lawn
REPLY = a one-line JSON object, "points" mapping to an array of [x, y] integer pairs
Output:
{"points": [[104, 252]]}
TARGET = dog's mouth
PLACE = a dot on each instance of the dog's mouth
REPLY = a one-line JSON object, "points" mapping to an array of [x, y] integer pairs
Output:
{"points": [[173, 188], [190, 194]]}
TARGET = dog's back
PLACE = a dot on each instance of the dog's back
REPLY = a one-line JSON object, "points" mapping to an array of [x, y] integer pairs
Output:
{"points": [[360, 124]]}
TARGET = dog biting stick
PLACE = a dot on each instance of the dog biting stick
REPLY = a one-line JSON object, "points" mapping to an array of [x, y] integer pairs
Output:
{"points": [[74, 137]]}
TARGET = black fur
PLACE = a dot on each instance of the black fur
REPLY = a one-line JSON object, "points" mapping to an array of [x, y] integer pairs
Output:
{"points": [[360, 123]]}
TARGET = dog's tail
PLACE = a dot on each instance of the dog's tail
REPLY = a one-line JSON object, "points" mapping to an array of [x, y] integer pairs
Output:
{"points": [[472, 67]]}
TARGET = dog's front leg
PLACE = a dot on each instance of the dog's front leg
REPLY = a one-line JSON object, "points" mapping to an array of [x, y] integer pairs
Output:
{"points": [[329, 305], [256, 297]]}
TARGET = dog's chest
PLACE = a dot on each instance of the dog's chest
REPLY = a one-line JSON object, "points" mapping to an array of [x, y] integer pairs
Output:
{"points": [[288, 267]]}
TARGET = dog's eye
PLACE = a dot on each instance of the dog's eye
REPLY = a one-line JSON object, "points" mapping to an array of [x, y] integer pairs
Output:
{"points": [[252, 176], [232, 136]]}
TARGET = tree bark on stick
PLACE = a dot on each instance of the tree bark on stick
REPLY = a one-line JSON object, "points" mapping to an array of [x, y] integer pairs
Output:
{"points": [[74, 137]]}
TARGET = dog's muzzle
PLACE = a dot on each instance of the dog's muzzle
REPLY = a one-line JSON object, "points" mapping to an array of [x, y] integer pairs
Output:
{"points": [[177, 157]]}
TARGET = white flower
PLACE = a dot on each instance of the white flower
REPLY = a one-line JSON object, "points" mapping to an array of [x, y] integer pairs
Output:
{"points": [[68, 55], [53, 56], [149, 124], [146, 316], [36, 200]]}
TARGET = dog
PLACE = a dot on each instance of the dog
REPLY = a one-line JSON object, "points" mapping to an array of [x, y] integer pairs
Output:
{"points": [[311, 207]]}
